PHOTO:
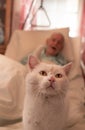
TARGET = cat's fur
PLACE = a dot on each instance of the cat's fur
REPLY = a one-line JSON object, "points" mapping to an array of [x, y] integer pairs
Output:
{"points": [[46, 100]]}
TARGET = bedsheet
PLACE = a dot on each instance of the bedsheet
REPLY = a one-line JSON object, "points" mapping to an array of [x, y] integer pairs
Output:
{"points": [[18, 126], [11, 88]]}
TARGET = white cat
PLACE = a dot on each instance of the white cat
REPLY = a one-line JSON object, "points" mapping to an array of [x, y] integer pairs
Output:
{"points": [[46, 99]]}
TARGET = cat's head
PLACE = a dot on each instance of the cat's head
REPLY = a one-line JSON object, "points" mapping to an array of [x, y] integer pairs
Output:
{"points": [[47, 78]]}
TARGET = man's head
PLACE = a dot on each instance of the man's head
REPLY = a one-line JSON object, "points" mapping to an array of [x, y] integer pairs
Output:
{"points": [[55, 44]]}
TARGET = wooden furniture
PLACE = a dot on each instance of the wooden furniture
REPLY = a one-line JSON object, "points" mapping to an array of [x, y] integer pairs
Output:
{"points": [[5, 23]]}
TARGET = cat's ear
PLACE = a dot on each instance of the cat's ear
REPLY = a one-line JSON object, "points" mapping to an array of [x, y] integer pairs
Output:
{"points": [[33, 61], [67, 68]]}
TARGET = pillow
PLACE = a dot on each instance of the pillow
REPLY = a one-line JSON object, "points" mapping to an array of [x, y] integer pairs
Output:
{"points": [[23, 42], [12, 85]]}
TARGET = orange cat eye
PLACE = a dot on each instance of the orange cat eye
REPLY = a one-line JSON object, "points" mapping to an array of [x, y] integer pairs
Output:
{"points": [[58, 75], [43, 73]]}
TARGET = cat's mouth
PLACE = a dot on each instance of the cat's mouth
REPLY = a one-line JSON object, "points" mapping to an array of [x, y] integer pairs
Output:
{"points": [[51, 86]]}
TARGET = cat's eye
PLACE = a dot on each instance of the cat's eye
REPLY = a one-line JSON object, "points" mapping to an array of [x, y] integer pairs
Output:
{"points": [[43, 73], [58, 75]]}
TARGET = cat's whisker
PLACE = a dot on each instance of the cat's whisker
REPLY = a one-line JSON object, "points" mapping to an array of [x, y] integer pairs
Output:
{"points": [[38, 94], [62, 93]]}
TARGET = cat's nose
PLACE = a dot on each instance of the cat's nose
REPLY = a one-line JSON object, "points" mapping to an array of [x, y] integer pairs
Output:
{"points": [[52, 79]]}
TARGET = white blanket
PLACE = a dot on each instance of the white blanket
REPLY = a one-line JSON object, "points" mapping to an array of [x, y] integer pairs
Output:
{"points": [[11, 88]]}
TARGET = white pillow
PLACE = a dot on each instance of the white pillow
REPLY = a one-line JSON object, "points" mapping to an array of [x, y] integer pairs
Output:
{"points": [[11, 88]]}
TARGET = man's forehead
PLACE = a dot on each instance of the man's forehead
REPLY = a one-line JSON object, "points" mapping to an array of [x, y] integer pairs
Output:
{"points": [[57, 36]]}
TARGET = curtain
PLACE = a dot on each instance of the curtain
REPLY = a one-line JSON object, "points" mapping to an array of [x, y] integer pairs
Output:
{"points": [[21, 9], [82, 33], [16, 15], [26, 12], [82, 27]]}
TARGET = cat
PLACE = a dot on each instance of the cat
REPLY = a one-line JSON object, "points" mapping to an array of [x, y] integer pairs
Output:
{"points": [[46, 100]]}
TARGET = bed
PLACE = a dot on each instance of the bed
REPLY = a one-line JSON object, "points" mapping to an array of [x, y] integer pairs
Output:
{"points": [[12, 83]]}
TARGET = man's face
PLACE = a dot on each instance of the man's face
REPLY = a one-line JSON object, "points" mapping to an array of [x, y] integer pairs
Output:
{"points": [[55, 44]]}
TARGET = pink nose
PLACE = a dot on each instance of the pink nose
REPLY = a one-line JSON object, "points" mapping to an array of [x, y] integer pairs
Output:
{"points": [[52, 79]]}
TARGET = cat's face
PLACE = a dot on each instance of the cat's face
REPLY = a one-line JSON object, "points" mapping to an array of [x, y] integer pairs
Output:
{"points": [[47, 79]]}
